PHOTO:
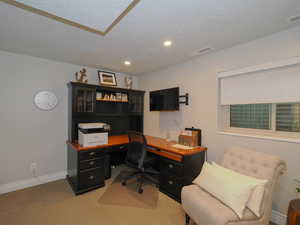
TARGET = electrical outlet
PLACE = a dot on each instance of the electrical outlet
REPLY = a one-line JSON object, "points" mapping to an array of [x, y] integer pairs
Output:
{"points": [[33, 169]]}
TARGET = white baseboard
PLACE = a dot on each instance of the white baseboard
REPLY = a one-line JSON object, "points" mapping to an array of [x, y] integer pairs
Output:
{"points": [[278, 218], [21, 184]]}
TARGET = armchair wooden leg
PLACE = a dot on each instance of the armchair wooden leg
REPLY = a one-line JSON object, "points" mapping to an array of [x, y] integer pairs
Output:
{"points": [[187, 219]]}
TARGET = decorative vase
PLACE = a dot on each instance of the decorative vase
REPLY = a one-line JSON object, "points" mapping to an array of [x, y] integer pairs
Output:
{"points": [[128, 82]]}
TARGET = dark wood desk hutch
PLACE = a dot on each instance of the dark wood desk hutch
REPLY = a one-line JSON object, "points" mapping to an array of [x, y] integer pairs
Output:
{"points": [[120, 115], [87, 169]]}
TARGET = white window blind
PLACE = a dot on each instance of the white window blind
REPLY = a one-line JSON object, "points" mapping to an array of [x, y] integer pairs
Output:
{"points": [[267, 85]]}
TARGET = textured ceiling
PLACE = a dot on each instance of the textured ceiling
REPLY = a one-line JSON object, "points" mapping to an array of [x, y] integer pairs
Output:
{"points": [[138, 37]]}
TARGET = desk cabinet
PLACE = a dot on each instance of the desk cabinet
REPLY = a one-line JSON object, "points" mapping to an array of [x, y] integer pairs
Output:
{"points": [[174, 175], [91, 177], [171, 167], [171, 185], [86, 169]]}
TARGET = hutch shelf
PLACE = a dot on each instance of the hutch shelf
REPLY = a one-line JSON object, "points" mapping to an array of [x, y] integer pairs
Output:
{"points": [[121, 108]]}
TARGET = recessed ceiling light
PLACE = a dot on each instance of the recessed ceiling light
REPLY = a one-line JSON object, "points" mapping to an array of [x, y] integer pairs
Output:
{"points": [[127, 63], [167, 43]]}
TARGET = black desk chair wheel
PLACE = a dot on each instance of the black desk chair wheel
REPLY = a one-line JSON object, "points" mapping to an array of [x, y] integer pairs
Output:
{"points": [[138, 159]]}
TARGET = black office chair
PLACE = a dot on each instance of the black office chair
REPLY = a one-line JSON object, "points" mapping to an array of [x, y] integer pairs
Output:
{"points": [[138, 159]]}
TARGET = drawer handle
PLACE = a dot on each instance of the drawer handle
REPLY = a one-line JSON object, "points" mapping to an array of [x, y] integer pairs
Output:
{"points": [[91, 177], [92, 153], [92, 163], [171, 182], [171, 166]]}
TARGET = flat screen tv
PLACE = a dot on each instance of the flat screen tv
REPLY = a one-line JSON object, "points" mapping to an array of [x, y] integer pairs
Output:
{"points": [[164, 100]]}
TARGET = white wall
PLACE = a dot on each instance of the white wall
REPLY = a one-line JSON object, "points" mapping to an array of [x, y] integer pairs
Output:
{"points": [[198, 77], [28, 134]]}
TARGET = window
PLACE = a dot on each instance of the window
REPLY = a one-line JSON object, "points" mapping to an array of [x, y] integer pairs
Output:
{"points": [[250, 116], [288, 117], [283, 117], [261, 101]]}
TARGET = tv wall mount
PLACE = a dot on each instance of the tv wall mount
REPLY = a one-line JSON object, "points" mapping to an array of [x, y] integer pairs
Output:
{"points": [[186, 99]]}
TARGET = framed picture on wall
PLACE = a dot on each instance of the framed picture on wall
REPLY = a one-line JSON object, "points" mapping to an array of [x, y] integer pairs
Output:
{"points": [[107, 78]]}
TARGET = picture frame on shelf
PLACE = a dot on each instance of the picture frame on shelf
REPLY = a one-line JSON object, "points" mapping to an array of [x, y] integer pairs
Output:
{"points": [[107, 78]]}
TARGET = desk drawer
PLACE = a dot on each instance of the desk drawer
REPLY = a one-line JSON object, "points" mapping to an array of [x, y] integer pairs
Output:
{"points": [[91, 154], [118, 148], [92, 177], [171, 167], [171, 185], [88, 164]]}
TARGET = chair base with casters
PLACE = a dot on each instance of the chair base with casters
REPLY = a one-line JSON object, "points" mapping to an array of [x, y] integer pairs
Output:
{"points": [[139, 160], [142, 177]]}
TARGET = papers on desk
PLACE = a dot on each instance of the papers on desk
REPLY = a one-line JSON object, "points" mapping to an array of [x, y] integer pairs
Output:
{"points": [[182, 147]]}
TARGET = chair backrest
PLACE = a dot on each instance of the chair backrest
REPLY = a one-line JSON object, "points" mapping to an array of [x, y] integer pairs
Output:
{"points": [[259, 165], [136, 149]]}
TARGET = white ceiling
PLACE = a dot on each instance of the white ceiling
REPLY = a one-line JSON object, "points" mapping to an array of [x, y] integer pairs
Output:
{"points": [[138, 37], [98, 15]]}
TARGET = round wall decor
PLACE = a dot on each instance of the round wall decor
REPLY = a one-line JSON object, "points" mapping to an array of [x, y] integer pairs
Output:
{"points": [[45, 100]]}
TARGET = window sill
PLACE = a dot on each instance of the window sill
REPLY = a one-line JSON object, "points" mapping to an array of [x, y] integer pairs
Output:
{"points": [[265, 137]]}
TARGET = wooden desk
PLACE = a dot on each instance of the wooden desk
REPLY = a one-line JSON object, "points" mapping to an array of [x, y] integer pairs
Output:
{"points": [[87, 166], [112, 141], [167, 150], [163, 148]]}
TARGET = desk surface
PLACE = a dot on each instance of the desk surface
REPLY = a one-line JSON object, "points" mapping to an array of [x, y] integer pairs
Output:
{"points": [[164, 147], [112, 141], [167, 146]]}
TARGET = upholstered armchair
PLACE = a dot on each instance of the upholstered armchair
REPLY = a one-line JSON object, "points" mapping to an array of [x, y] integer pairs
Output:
{"points": [[204, 209]]}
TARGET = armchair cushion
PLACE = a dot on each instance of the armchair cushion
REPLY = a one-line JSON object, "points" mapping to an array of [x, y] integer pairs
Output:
{"points": [[231, 188], [205, 209], [258, 165], [257, 194]]}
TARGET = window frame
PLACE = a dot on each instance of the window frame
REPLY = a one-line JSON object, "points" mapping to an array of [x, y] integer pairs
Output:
{"points": [[224, 124]]}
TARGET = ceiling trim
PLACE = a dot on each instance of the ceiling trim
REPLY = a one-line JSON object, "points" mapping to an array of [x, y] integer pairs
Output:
{"points": [[72, 23]]}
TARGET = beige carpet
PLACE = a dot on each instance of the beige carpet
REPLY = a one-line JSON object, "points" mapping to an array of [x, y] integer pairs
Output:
{"points": [[55, 204]]}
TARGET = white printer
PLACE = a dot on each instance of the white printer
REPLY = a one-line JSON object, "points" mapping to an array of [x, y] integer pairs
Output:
{"points": [[93, 134]]}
